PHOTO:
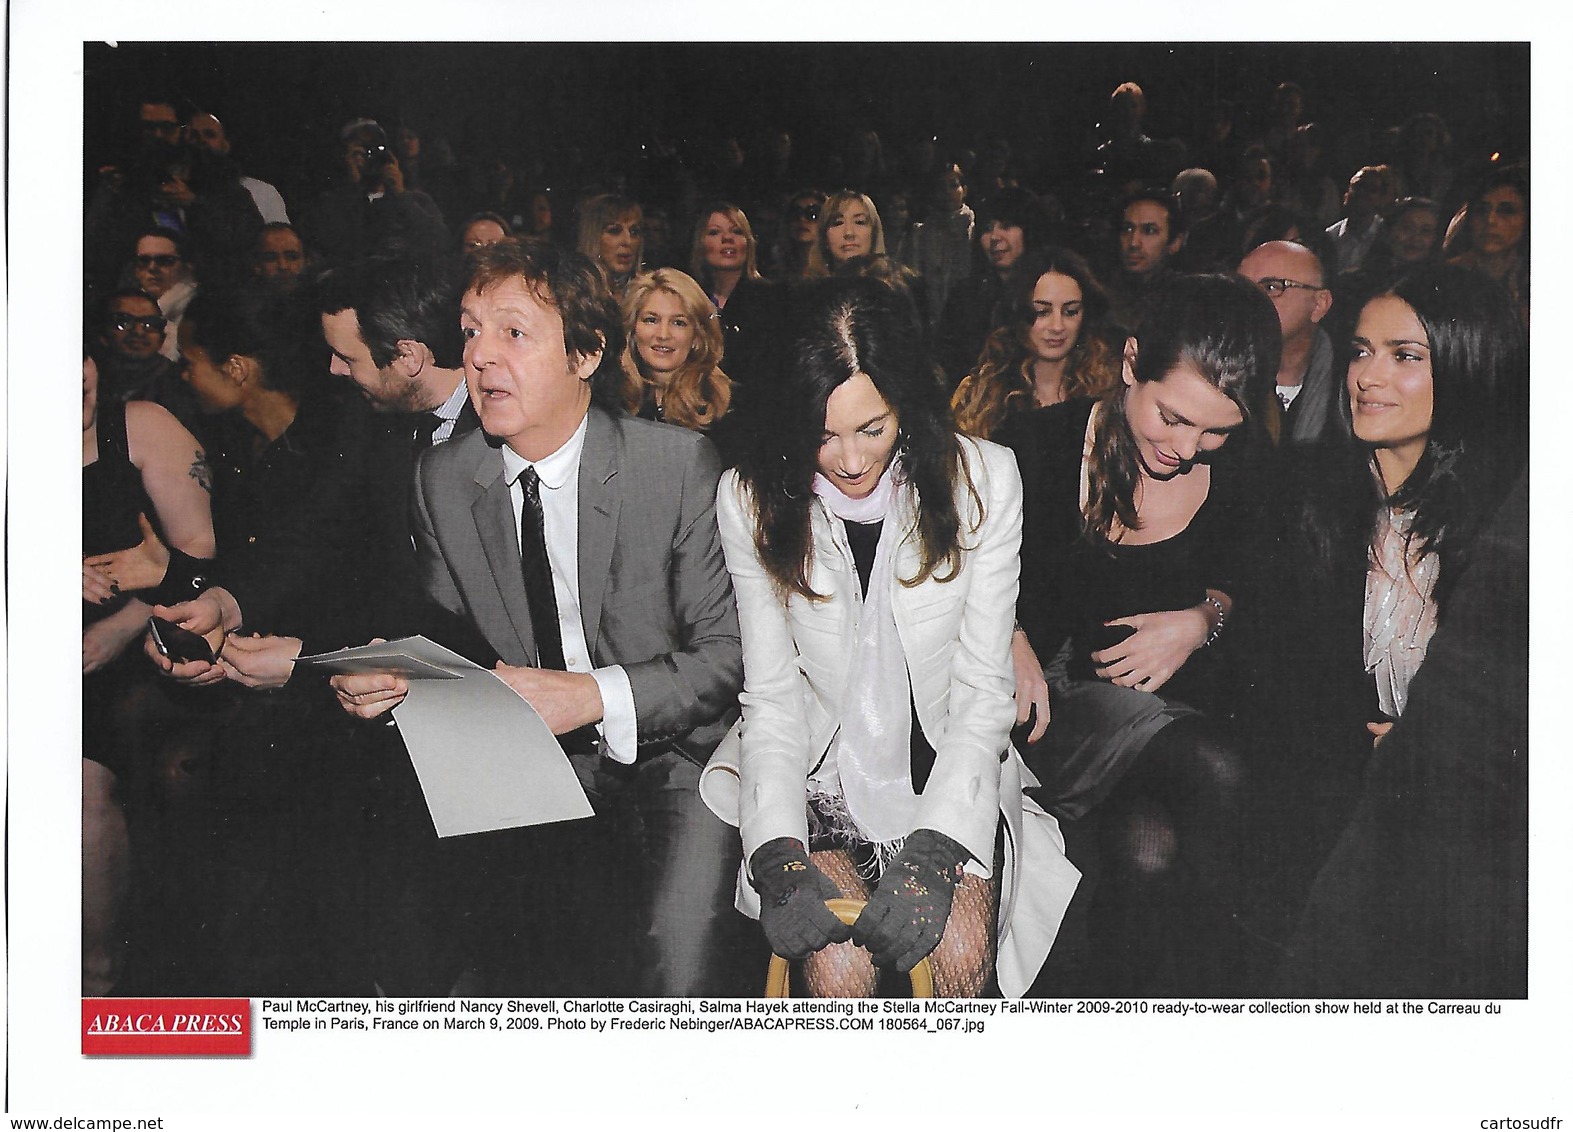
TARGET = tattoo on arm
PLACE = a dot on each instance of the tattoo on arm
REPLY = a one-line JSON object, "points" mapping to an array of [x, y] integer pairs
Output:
{"points": [[201, 472]]}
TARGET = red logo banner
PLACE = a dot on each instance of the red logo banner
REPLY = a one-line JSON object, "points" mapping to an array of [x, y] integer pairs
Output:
{"points": [[169, 1027]]}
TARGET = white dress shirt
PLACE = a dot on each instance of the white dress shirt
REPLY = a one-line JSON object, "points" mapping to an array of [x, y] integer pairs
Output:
{"points": [[559, 475], [449, 411]]}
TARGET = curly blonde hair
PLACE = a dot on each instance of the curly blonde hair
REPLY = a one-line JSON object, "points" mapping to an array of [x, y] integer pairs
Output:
{"points": [[700, 392]]}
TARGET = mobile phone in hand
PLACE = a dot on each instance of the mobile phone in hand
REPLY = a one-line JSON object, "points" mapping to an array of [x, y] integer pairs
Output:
{"points": [[177, 644]]}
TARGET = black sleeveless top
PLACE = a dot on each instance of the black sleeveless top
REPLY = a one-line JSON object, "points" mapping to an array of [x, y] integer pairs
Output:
{"points": [[112, 498]]}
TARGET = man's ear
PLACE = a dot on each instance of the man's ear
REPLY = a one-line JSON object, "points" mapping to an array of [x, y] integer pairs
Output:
{"points": [[1324, 303], [411, 358], [1128, 367], [584, 366]]}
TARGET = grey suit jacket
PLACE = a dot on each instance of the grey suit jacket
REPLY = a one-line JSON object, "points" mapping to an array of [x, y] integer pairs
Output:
{"points": [[653, 585]]}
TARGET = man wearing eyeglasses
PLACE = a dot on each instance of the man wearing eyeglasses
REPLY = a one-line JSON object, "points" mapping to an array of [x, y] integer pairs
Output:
{"points": [[130, 366], [159, 265], [1311, 406]]}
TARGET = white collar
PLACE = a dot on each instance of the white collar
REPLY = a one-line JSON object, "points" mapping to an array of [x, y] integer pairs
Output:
{"points": [[871, 507], [555, 470], [450, 409]]}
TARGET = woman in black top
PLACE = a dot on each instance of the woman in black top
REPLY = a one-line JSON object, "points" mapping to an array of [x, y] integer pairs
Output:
{"points": [[724, 260], [1358, 567], [142, 473], [1134, 522], [293, 485]]}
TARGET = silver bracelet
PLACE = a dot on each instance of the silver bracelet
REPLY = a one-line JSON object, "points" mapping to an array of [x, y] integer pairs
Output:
{"points": [[1217, 630]]}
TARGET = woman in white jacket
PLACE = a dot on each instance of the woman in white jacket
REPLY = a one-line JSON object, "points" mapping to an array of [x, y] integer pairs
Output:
{"points": [[875, 556]]}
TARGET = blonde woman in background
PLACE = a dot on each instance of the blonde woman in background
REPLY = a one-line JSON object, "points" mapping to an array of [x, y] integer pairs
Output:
{"points": [[672, 363], [611, 233]]}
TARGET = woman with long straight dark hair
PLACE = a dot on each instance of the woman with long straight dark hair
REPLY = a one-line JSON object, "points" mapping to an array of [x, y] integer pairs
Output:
{"points": [[1357, 573], [875, 558]]}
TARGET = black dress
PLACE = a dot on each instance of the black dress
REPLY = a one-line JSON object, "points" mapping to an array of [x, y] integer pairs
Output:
{"points": [[112, 498], [1071, 586]]}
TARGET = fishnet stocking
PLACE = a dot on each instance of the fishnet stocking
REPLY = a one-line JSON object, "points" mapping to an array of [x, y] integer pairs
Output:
{"points": [[962, 962]]}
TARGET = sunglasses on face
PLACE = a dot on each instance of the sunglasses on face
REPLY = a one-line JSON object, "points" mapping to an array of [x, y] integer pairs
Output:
{"points": [[806, 212], [157, 260], [151, 322]]}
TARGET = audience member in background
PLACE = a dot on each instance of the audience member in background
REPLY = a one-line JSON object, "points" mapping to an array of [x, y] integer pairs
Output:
{"points": [[1422, 166], [895, 206], [1215, 244], [279, 256], [369, 211], [1196, 192], [1305, 185], [658, 249], [161, 269], [119, 204], [1367, 199], [942, 243], [611, 233], [852, 243], [129, 365], [799, 234], [1148, 233], [1011, 224], [481, 229], [1494, 238], [207, 131], [672, 363], [1411, 237], [724, 259], [1052, 348], [1308, 402]]}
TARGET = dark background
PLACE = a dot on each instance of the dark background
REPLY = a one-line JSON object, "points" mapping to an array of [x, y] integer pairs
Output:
{"points": [[283, 102]]}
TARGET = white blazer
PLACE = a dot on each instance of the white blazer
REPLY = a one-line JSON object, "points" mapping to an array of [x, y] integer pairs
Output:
{"points": [[955, 635]]}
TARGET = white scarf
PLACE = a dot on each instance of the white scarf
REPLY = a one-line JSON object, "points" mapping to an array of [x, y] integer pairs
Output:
{"points": [[873, 752]]}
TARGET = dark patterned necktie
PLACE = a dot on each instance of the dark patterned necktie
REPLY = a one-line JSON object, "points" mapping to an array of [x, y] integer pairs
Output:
{"points": [[423, 427], [538, 588]]}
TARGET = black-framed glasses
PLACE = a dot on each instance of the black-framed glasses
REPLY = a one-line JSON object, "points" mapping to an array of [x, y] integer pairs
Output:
{"points": [[160, 127], [1276, 287], [165, 260], [151, 322]]}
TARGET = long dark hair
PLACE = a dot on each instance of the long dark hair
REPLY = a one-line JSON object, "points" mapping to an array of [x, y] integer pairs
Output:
{"points": [[1001, 381], [843, 327], [1479, 414], [1221, 326]]}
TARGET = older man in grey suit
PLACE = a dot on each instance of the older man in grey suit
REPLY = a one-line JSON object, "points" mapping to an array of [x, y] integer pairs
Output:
{"points": [[581, 546]]}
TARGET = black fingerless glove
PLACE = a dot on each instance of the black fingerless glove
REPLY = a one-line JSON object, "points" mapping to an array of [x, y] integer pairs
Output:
{"points": [[906, 915], [184, 578], [792, 895]]}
